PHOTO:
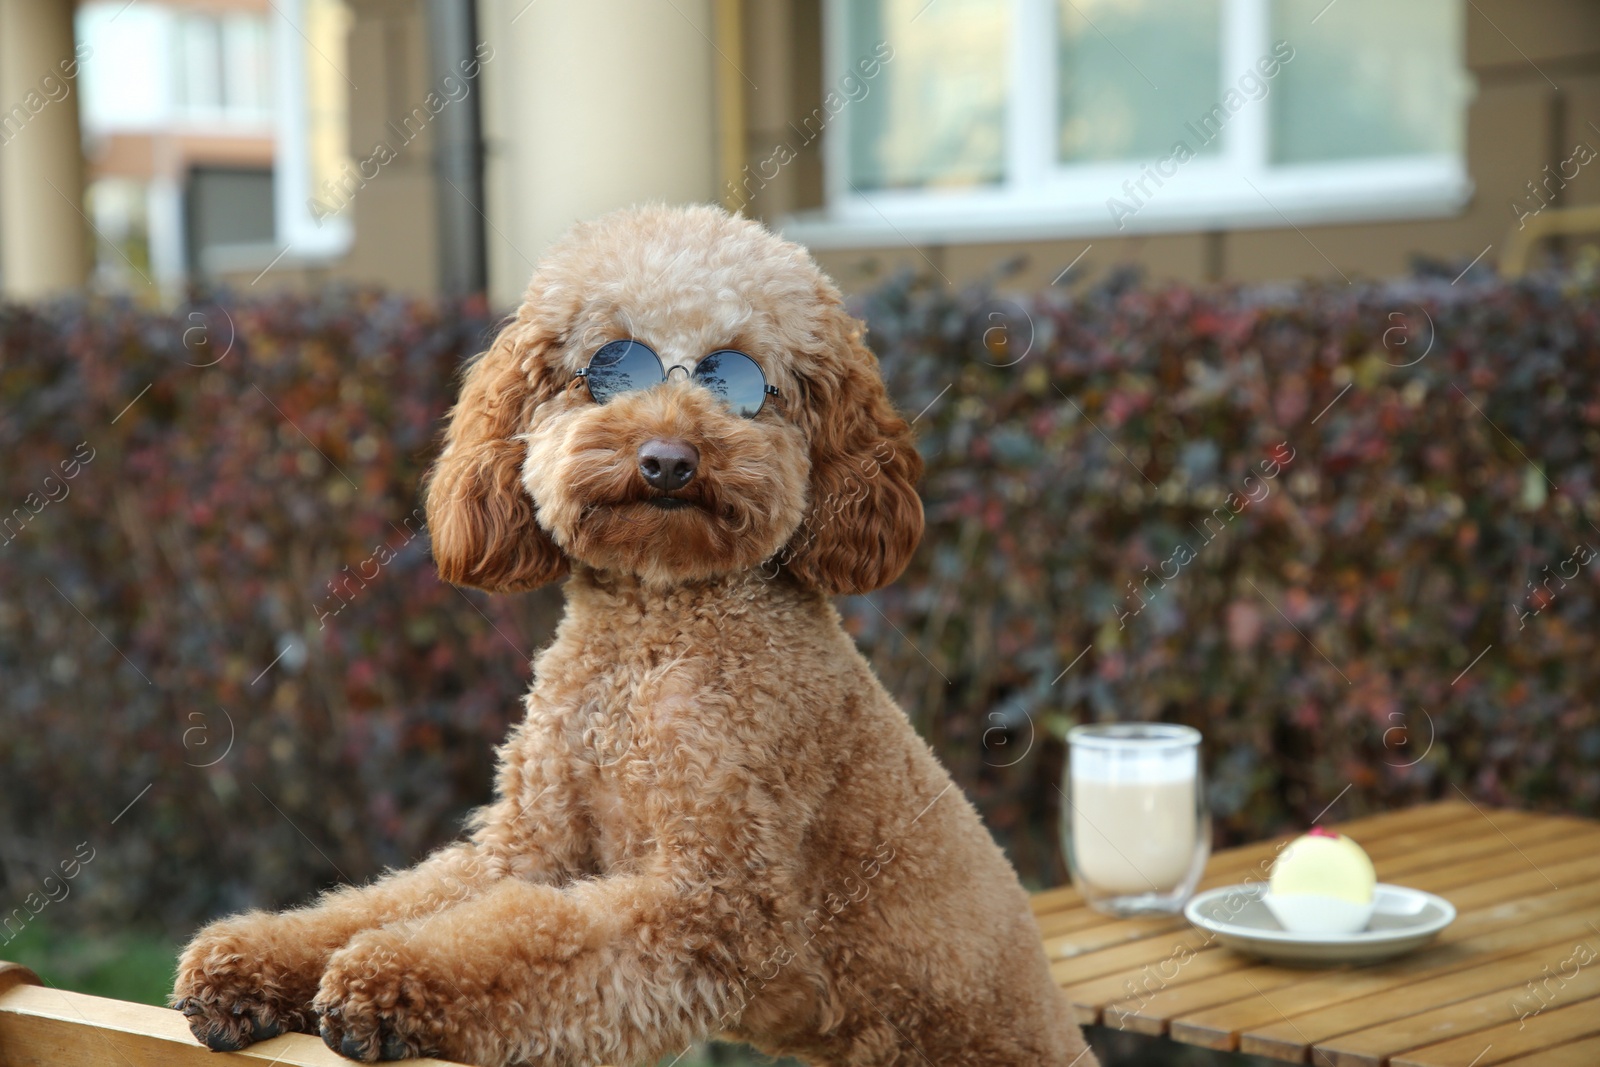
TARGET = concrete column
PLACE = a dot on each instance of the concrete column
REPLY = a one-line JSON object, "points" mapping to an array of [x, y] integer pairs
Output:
{"points": [[591, 105], [44, 238]]}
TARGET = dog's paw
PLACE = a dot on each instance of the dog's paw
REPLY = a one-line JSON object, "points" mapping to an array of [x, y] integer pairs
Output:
{"points": [[378, 1002], [229, 1029], [233, 991]]}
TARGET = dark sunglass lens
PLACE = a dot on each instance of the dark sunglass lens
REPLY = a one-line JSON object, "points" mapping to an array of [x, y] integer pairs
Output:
{"points": [[622, 367], [735, 378]]}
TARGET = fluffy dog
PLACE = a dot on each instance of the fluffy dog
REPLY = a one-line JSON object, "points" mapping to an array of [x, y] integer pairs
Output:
{"points": [[713, 819]]}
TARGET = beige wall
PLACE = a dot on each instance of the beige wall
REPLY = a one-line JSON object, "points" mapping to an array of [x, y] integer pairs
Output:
{"points": [[394, 216], [44, 238], [591, 105], [1517, 123]]}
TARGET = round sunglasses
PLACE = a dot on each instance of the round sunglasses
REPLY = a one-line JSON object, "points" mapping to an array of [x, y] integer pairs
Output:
{"points": [[626, 366]]}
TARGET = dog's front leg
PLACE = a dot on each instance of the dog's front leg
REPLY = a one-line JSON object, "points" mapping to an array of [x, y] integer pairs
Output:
{"points": [[252, 976], [619, 970]]}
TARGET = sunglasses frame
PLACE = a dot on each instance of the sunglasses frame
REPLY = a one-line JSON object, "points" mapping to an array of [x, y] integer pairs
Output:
{"points": [[767, 388]]}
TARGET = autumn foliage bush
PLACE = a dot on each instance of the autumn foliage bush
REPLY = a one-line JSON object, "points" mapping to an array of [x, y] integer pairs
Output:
{"points": [[1344, 530]]}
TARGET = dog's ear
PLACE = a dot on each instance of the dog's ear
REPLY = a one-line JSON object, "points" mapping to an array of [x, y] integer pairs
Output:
{"points": [[480, 518], [865, 518]]}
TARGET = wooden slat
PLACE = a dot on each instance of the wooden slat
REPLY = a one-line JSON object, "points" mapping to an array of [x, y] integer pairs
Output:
{"points": [[1482, 909], [1121, 958], [1383, 823], [1123, 999], [1048, 900], [1293, 1036], [1063, 925], [1585, 1053], [44, 1027], [1504, 1043], [1374, 1046], [1344, 994]]}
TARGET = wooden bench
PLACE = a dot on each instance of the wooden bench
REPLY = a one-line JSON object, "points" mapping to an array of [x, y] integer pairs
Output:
{"points": [[45, 1027], [1515, 980]]}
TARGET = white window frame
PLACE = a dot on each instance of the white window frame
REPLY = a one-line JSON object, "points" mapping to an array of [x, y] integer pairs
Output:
{"points": [[304, 237], [1040, 198]]}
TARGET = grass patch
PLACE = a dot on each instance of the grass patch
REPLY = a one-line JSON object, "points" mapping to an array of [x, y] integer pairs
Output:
{"points": [[124, 964]]}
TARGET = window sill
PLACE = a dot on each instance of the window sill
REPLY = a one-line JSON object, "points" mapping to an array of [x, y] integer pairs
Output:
{"points": [[247, 257], [1186, 203]]}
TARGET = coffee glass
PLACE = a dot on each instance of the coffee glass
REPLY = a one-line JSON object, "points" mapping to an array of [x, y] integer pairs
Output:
{"points": [[1136, 828]]}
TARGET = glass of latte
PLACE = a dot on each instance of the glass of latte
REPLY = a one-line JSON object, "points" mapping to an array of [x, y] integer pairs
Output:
{"points": [[1136, 829]]}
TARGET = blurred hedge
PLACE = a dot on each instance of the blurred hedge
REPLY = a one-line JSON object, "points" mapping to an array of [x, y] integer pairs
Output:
{"points": [[209, 544], [1082, 438]]}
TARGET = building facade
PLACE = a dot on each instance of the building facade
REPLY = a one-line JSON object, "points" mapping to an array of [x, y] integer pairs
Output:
{"points": [[437, 146]]}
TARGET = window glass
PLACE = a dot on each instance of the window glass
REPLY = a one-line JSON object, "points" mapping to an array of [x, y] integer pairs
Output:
{"points": [[223, 67], [1130, 72], [226, 207], [1370, 78], [246, 67], [935, 114], [199, 66]]}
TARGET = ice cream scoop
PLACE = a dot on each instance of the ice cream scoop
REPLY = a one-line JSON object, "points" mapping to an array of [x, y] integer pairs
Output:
{"points": [[1322, 883]]}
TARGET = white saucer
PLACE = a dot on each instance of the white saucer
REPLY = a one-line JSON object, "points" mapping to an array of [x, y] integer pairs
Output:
{"points": [[1403, 919]]}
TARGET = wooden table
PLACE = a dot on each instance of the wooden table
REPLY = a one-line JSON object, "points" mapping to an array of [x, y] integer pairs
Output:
{"points": [[1514, 980]]}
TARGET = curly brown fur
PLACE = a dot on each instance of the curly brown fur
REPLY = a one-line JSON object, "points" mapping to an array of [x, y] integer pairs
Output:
{"points": [[713, 819]]}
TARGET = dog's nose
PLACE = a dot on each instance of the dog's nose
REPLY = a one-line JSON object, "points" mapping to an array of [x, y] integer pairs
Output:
{"points": [[668, 463]]}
